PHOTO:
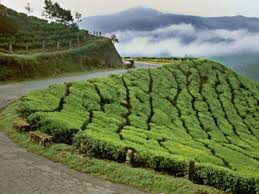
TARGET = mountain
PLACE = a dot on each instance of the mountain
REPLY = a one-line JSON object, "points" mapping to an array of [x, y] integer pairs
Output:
{"points": [[146, 19], [145, 32]]}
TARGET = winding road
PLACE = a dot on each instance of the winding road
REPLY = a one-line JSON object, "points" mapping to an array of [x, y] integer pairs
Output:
{"points": [[25, 172]]}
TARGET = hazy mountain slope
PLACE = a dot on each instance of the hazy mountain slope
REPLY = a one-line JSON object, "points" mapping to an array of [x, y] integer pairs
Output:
{"points": [[142, 19], [244, 63], [146, 32]]}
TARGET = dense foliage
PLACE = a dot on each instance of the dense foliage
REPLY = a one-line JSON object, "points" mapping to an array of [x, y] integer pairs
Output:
{"points": [[34, 32], [7, 25], [190, 111]]}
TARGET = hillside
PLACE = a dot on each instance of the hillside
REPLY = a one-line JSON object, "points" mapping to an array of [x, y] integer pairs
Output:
{"points": [[146, 19], [195, 119], [95, 54], [40, 49], [33, 31]]}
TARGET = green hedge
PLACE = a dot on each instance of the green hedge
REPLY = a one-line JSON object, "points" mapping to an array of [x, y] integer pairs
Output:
{"points": [[224, 179], [103, 147], [61, 125], [221, 178], [41, 100], [160, 162], [106, 147]]}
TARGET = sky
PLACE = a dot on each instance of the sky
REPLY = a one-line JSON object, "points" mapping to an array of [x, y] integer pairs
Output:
{"points": [[189, 7]]}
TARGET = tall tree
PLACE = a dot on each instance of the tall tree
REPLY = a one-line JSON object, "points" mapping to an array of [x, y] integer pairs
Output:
{"points": [[55, 12], [48, 9], [78, 16]]}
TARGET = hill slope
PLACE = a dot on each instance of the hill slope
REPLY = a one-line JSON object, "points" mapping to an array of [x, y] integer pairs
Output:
{"points": [[32, 31], [189, 111], [146, 19], [41, 49], [95, 54]]}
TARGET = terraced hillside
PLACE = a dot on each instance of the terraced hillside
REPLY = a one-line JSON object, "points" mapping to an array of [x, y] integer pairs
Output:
{"points": [[95, 54], [38, 48], [193, 118], [32, 32]]}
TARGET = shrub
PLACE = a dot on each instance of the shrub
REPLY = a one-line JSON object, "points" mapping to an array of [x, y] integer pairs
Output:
{"points": [[224, 179]]}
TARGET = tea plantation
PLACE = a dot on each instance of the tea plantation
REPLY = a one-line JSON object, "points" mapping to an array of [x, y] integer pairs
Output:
{"points": [[194, 119], [34, 48], [33, 32]]}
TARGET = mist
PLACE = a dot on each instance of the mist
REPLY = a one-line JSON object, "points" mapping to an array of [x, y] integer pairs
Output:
{"points": [[184, 39]]}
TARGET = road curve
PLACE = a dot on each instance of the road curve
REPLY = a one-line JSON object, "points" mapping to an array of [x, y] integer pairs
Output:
{"points": [[11, 92], [24, 172]]}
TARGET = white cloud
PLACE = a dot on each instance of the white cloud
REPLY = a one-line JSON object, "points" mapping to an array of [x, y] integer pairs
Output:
{"points": [[179, 40]]}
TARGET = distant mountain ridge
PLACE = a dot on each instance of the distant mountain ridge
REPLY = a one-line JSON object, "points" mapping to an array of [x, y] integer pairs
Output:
{"points": [[148, 32], [146, 19]]}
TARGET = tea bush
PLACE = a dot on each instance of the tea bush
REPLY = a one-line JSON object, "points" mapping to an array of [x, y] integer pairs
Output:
{"points": [[194, 110]]}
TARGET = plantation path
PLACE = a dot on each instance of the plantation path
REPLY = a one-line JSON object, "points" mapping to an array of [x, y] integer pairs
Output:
{"points": [[24, 172], [11, 92]]}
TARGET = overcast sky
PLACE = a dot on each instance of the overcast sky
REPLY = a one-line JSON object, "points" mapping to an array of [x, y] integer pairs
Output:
{"points": [[193, 7]]}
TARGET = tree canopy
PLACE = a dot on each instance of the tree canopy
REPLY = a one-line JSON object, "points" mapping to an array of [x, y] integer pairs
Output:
{"points": [[56, 12]]}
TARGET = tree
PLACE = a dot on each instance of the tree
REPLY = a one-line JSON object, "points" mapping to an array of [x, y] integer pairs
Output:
{"points": [[55, 12], [114, 38], [78, 16], [28, 8], [48, 9]]}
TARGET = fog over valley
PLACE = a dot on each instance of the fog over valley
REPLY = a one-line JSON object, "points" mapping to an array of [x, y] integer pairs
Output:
{"points": [[145, 32], [184, 39]]}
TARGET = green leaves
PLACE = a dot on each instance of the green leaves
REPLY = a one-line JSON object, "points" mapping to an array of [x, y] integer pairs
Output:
{"points": [[54, 11], [195, 110], [22, 30]]}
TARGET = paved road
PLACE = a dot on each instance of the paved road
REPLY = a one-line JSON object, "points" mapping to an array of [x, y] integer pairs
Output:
{"points": [[25, 173], [11, 92]]}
